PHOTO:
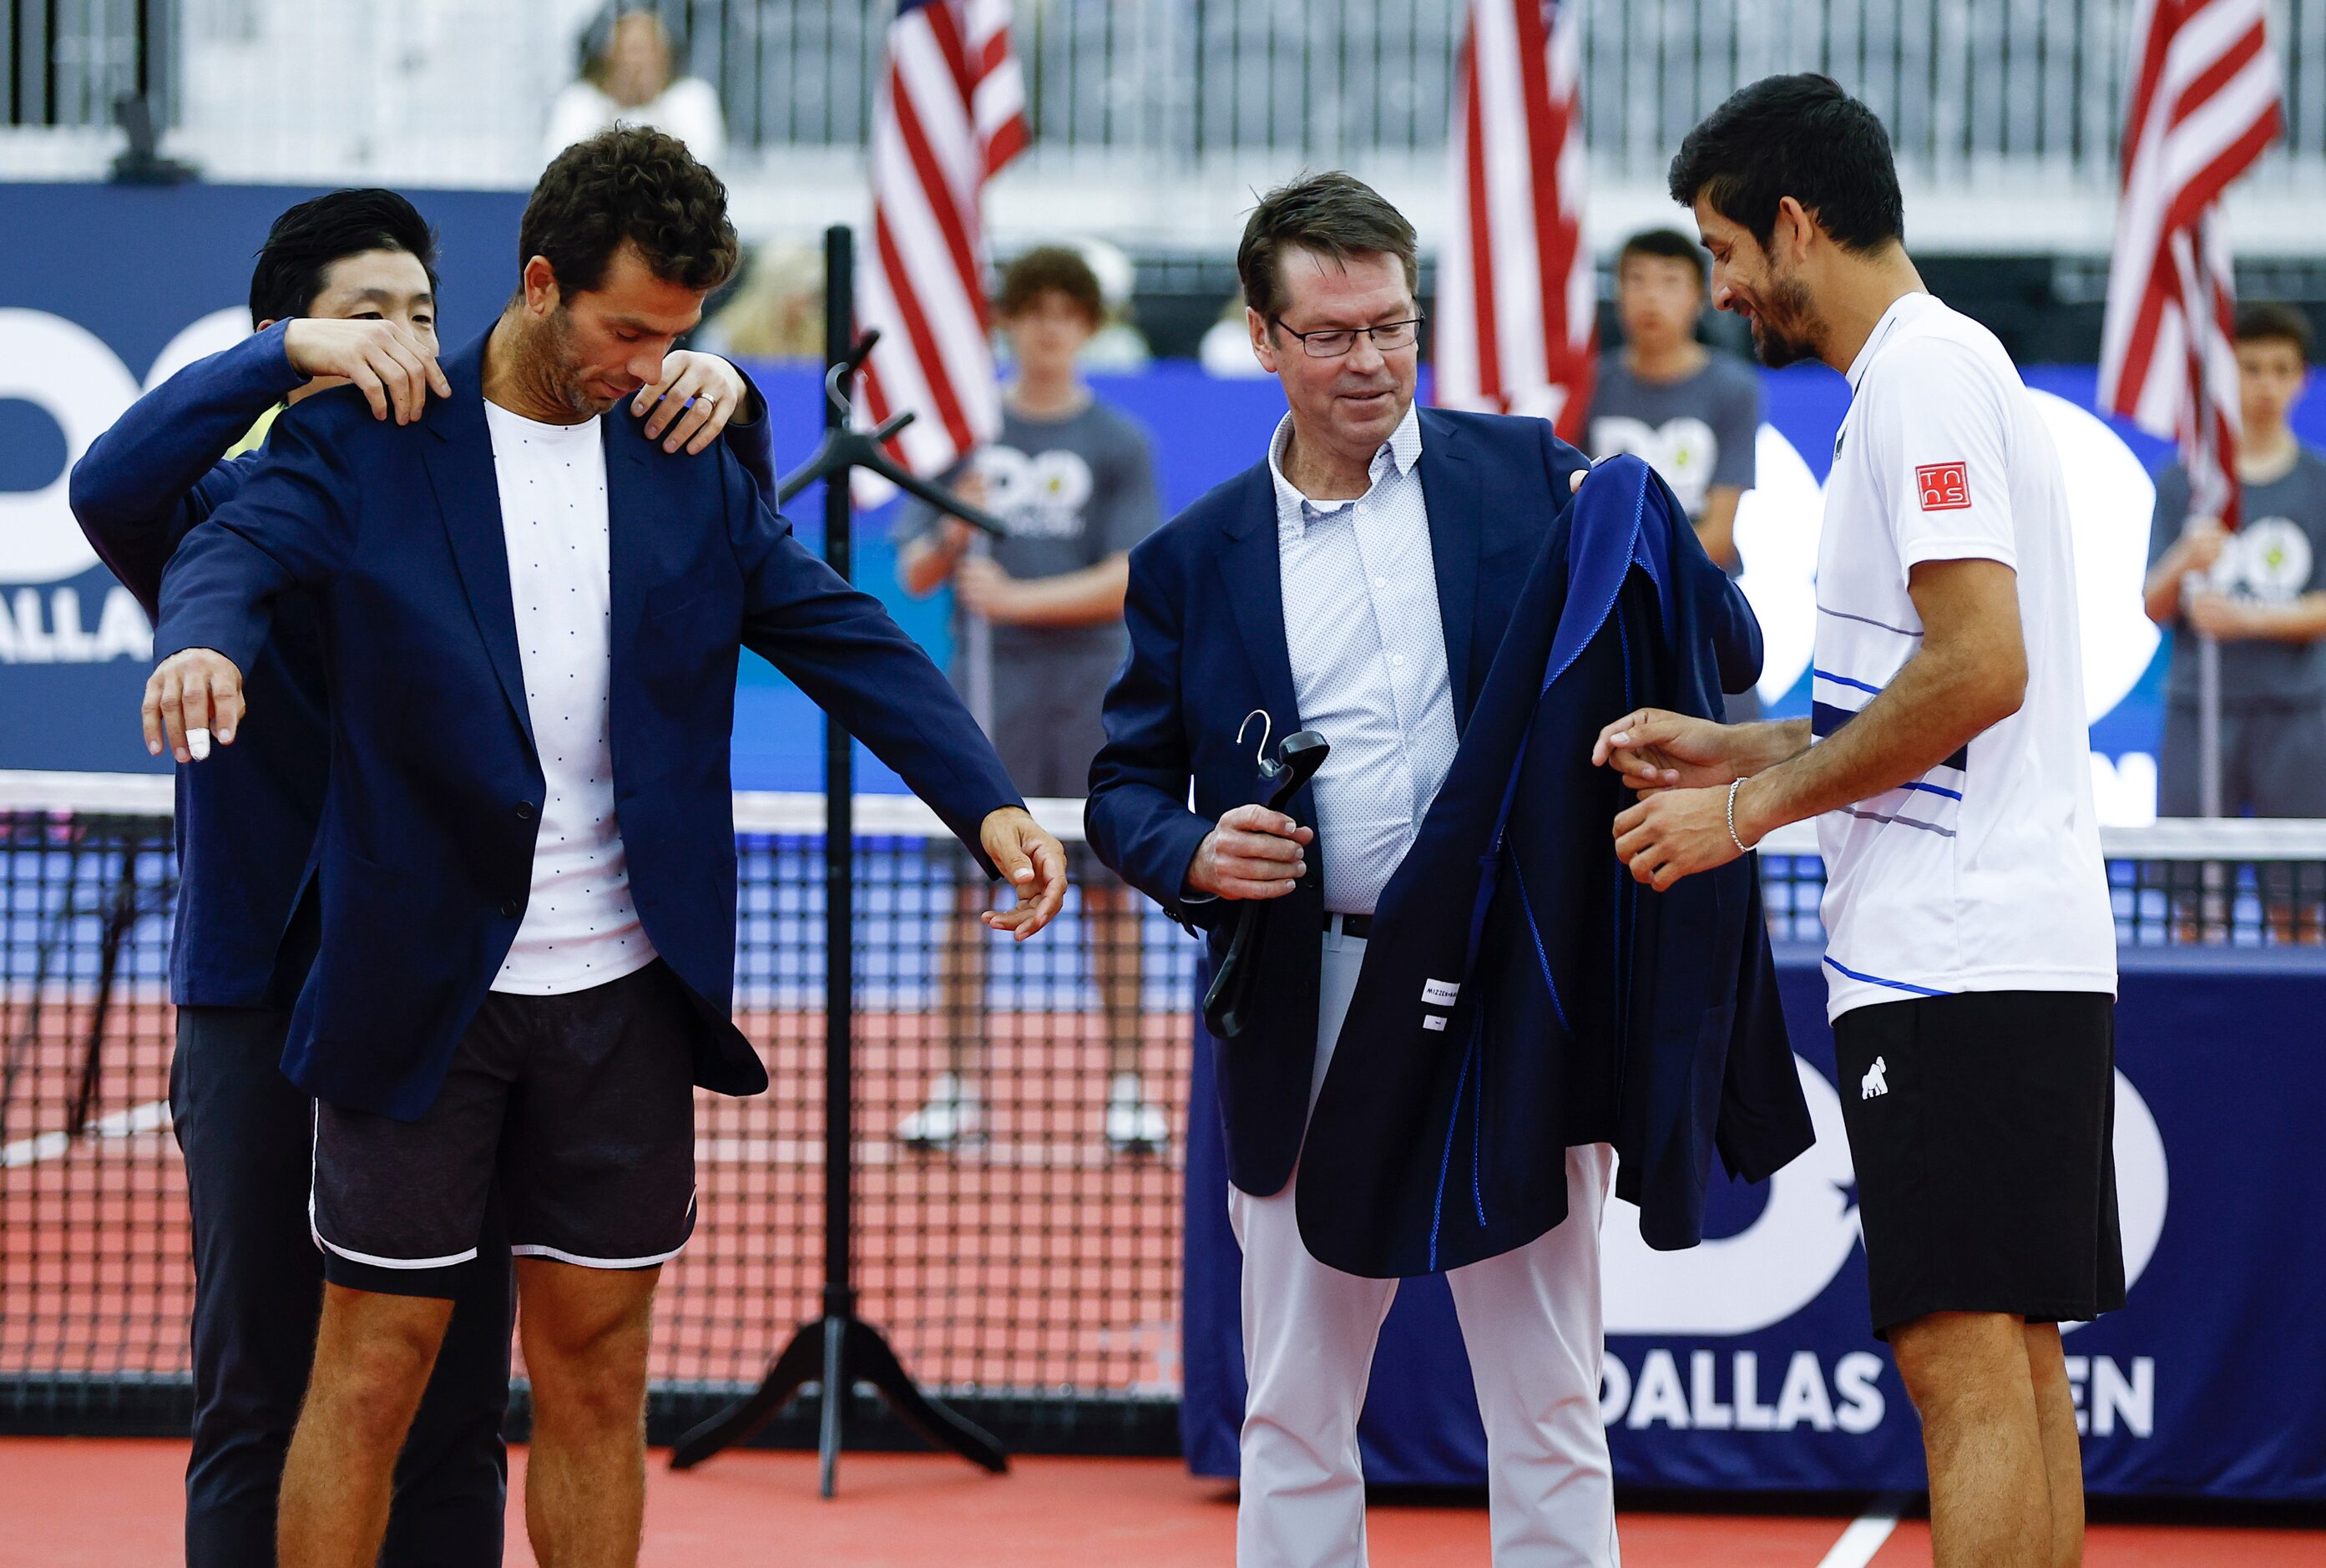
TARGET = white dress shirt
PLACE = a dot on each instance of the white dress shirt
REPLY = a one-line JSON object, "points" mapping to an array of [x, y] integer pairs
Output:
{"points": [[1368, 653], [581, 927]]}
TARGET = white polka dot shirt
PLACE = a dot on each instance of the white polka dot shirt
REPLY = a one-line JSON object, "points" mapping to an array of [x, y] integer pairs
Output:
{"points": [[580, 928], [1368, 654]]}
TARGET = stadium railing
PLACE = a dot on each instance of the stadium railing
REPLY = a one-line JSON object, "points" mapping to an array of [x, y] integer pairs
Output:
{"points": [[1995, 100], [1031, 1274]]}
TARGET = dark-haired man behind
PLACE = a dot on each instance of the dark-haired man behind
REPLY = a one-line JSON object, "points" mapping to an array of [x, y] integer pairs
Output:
{"points": [[1693, 415], [343, 292], [527, 852], [1970, 951], [2265, 601]]}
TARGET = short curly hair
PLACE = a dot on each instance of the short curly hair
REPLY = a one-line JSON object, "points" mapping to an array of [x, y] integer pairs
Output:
{"points": [[629, 184], [1051, 269]]}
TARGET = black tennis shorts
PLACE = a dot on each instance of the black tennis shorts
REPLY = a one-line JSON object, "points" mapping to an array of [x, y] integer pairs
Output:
{"points": [[583, 1105], [1981, 1125]]}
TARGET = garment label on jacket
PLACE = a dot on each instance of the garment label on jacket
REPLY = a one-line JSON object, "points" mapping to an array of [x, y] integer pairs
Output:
{"points": [[1435, 1021], [1439, 993]]}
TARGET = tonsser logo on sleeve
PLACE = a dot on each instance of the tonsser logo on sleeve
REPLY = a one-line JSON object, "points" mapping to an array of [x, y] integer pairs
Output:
{"points": [[1945, 485]]}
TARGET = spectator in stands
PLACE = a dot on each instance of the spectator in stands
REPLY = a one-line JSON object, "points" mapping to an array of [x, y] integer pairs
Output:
{"points": [[1118, 344], [1074, 482], [777, 312], [629, 76], [1693, 415], [2264, 600], [1225, 350]]}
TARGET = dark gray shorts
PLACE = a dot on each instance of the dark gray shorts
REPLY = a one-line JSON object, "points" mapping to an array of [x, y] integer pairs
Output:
{"points": [[1045, 723], [2272, 761], [583, 1105]]}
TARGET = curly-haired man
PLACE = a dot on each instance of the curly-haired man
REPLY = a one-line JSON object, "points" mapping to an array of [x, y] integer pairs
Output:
{"points": [[526, 858]]}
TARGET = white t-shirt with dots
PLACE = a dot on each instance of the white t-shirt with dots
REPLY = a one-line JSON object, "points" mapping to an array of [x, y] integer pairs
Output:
{"points": [[580, 928]]}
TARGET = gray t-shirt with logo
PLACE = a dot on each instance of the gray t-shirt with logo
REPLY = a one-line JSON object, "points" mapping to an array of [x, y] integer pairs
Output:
{"points": [[1074, 491], [2278, 556], [1696, 433]]}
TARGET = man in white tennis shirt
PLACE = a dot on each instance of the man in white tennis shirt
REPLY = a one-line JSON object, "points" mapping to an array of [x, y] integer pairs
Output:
{"points": [[1970, 950]]}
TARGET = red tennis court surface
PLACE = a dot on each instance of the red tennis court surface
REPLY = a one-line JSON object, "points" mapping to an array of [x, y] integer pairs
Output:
{"points": [[84, 1502]]}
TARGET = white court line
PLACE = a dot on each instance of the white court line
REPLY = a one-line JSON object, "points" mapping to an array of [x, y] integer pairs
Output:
{"points": [[153, 1117], [1865, 1535]]}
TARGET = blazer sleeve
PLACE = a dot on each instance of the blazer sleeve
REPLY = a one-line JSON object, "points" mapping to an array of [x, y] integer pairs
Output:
{"points": [[753, 445], [1137, 816], [839, 645], [290, 525], [162, 468]]}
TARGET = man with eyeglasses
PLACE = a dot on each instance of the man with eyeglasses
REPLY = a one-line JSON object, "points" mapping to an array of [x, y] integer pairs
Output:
{"points": [[1355, 583]]}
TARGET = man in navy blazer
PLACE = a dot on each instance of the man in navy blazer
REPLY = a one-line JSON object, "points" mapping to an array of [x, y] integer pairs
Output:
{"points": [[1356, 582], [530, 621], [343, 292]]}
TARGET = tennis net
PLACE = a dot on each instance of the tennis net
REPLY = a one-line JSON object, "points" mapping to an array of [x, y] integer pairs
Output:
{"points": [[1028, 1266], [1025, 1259]]}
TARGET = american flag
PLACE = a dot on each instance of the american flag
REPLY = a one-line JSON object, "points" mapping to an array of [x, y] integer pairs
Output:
{"points": [[952, 112], [2204, 105], [1517, 327]]}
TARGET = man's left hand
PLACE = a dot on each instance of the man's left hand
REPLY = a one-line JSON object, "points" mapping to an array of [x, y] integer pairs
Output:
{"points": [[1033, 861], [696, 398], [1673, 834]]}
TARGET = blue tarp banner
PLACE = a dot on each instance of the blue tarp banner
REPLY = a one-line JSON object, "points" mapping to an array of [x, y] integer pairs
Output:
{"points": [[1748, 1364], [2207, 1383]]}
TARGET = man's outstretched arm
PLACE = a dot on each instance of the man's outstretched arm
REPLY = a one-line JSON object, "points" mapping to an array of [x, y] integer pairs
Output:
{"points": [[840, 646], [1969, 674], [287, 526]]}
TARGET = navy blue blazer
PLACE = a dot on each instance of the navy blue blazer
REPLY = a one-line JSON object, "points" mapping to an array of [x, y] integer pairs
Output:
{"points": [[1206, 611], [1520, 993], [245, 818], [426, 849]]}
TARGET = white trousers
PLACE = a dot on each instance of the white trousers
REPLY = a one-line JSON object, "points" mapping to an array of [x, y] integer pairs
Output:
{"points": [[1530, 1319]]}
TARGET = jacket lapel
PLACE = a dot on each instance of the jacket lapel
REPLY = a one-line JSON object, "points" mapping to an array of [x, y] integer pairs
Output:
{"points": [[1254, 582], [1449, 489], [630, 514], [459, 462]]}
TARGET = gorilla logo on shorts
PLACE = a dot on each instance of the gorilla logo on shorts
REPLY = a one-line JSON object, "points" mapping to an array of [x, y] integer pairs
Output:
{"points": [[1788, 1256]]}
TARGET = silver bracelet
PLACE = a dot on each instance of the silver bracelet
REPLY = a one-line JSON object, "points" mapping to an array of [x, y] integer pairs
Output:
{"points": [[1742, 848]]}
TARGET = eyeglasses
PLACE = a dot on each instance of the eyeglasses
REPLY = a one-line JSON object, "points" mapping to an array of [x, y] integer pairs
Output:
{"points": [[1338, 341]]}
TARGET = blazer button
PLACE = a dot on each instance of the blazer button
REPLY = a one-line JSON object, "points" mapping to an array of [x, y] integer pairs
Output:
{"points": [[510, 907], [524, 811]]}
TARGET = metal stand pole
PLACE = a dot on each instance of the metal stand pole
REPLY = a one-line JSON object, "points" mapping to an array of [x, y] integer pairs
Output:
{"points": [[2212, 904], [838, 1350], [977, 650]]}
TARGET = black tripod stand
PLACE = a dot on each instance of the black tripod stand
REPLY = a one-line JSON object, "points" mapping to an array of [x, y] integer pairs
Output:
{"points": [[839, 1349]]}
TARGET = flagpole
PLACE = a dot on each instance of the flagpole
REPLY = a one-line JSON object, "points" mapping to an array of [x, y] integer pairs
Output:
{"points": [[2208, 722]]}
